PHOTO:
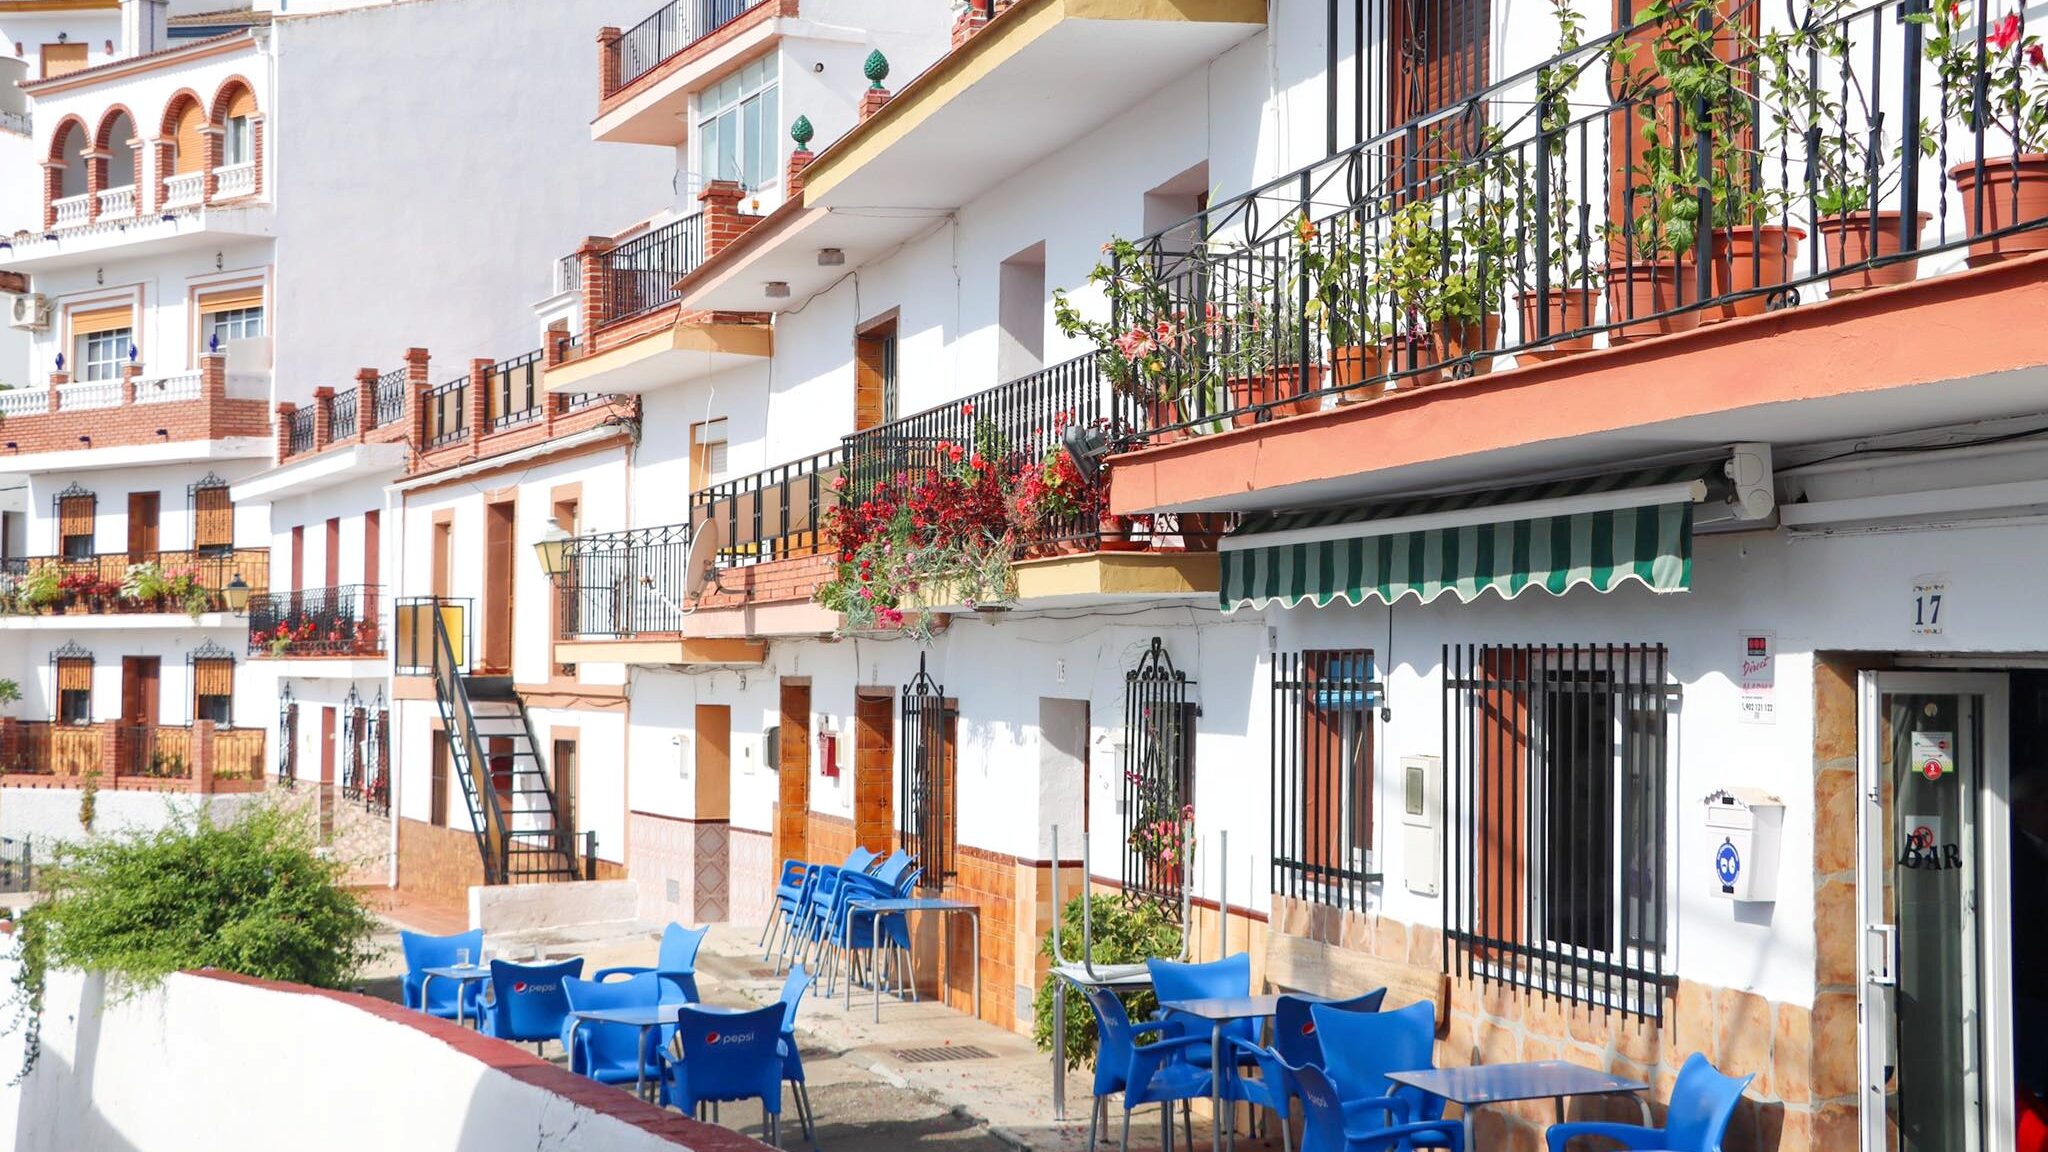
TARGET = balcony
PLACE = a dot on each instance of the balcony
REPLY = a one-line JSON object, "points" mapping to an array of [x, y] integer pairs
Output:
{"points": [[200, 758], [1596, 262], [119, 203], [54, 591], [184, 190], [623, 599], [203, 414], [185, 222], [234, 181], [328, 623], [645, 76]]}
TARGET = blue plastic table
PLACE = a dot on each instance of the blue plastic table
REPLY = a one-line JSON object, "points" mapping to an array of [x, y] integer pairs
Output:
{"points": [[1471, 1088], [1218, 1011], [463, 975], [874, 910]]}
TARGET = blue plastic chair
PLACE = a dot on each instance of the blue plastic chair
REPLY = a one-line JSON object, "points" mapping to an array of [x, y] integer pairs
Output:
{"points": [[1294, 1043], [528, 1001], [1230, 976], [728, 1056], [423, 952], [1703, 1100], [1152, 1073], [606, 1052], [1360, 1048], [1323, 1127], [789, 890], [864, 934], [675, 964], [793, 988]]}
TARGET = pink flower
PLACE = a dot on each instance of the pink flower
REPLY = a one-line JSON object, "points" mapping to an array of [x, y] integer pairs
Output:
{"points": [[2007, 33], [1135, 345], [2036, 56], [966, 409]]}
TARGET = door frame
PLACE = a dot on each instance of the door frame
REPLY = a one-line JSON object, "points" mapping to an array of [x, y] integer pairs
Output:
{"points": [[1993, 912]]}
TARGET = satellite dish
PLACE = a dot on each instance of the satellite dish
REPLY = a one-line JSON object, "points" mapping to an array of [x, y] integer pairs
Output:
{"points": [[700, 567]]}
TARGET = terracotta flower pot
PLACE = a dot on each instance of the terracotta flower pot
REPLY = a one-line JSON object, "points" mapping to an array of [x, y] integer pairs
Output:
{"points": [[2015, 192], [1115, 534], [1284, 391], [1351, 366], [1566, 310], [1162, 412], [1847, 241], [1457, 339], [1647, 289], [1298, 389], [1751, 258], [1247, 397], [1424, 365]]}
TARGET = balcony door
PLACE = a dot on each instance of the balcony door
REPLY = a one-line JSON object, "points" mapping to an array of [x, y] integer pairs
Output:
{"points": [[143, 510], [140, 677], [793, 773], [874, 762], [497, 606]]}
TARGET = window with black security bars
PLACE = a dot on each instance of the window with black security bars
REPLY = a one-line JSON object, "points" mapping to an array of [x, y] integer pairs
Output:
{"points": [[1556, 792], [1392, 63], [287, 739], [1323, 743], [1159, 778], [928, 814]]}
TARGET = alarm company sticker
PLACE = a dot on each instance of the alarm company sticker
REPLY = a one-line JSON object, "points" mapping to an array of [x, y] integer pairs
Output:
{"points": [[1728, 865], [1934, 754]]}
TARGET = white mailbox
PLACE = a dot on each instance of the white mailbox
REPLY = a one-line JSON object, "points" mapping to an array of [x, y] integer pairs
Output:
{"points": [[1743, 829]]}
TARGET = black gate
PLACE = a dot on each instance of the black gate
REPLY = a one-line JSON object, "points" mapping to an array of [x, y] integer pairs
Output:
{"points": [[1159, 778], [927, 810], [354, 770], [287, 738], [377, 749], [1323, 703]]}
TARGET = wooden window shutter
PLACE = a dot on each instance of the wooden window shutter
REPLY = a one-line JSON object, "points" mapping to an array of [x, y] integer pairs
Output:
{"points": [[1440, 58], [213, 517], [94, 320], [244, 104], [870, 354], [1499, 793], [75, 514], [62, 59], [74, 674], [227, 299], [213, 676], [191, 142]]}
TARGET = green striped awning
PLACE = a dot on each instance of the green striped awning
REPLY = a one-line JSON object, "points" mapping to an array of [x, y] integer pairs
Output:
{"points": [[1597, 531]]}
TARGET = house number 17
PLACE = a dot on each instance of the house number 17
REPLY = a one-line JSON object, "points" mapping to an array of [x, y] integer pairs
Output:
{"points": [[1927, 602]]}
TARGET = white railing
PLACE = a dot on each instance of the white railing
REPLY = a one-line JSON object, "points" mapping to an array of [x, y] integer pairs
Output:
{"points": [[248, 386], [239, 180], [168, 389], [94, 394], [117, 203], [24, 402], [15, 122], [184, 189], [73, 210]]}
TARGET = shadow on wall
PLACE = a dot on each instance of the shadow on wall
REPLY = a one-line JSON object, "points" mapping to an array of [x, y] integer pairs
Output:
{"points": [[53, 1108]]}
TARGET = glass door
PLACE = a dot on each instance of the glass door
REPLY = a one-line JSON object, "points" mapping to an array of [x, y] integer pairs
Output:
{"points": [[1932, 888]]}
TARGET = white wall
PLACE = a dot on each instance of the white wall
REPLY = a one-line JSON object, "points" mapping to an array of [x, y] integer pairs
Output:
{"points": [[100, 1080], [47, 817], [111, 488]]}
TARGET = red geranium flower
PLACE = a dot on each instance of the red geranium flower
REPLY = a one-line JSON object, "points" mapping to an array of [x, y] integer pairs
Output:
{"points": [[2007, 33]]}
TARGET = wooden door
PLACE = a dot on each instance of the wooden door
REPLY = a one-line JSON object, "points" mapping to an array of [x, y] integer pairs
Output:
{"points": [[143, 511], [874, 374], [443, 557], [874, 761], [373, 547], [713, 761], [298, 557], [497, 608], [333, 557], [140, 676], [327, 729], [563, 767], [793, 775]]}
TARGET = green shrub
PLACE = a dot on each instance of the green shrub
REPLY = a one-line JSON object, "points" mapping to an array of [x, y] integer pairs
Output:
{"points": [[1127, 930], [249, 896]]}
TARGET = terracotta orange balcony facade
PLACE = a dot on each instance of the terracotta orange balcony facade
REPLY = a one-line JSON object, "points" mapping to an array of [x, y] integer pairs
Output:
{"points": [[202, 758]]}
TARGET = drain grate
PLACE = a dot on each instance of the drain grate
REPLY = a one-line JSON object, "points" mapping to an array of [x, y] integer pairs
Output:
{"points": [[942, 1055]]}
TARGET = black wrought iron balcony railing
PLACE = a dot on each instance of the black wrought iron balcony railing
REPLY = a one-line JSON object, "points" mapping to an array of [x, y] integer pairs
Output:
{"points": [[775, 514], [390, 398], [673, 27], [641, 273], [343, 415], [339, 621], [623, 584], [447, 412], [1827, 157], [298, 430]]}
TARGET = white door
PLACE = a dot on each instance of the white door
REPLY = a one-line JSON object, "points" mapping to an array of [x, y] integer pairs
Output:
{"points": [[1932, 884]]}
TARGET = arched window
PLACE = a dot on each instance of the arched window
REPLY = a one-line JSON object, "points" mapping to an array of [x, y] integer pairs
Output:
{"points": [[188, 141], [116, 138], [69, 149], [237, 125]]}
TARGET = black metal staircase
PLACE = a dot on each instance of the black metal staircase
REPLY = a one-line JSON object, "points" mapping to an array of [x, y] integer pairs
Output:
{"points": [[493, 751]]}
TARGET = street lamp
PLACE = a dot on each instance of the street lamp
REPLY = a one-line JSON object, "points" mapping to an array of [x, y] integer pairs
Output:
{"points": [[237, 595], [553, 548]]}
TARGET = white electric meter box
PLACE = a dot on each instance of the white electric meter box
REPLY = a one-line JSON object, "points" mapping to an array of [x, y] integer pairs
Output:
{"points": [[1744, 827], [1422, 815]]}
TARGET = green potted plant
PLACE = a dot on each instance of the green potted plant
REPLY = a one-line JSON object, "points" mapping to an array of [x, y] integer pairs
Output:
{"points": [[1565, 303], [1409, 278], [2012, 68], [1480, 250], [1140, 350], [42, 590], [1335, 268], [1253, 345]]}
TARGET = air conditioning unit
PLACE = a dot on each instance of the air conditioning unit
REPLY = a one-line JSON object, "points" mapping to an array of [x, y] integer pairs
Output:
{"points": [[31, 312]]}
